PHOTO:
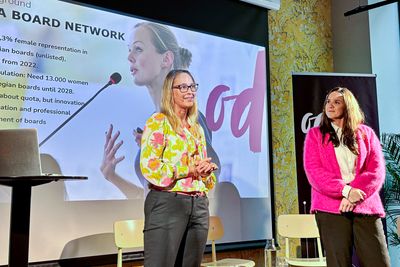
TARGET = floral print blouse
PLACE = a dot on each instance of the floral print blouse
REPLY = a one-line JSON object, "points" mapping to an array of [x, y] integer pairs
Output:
{"points": [[166, 154]]}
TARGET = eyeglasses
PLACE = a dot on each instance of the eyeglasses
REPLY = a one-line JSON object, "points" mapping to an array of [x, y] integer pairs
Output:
{"points": [[184, 87]]}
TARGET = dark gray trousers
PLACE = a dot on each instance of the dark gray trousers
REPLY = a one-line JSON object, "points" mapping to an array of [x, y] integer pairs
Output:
{"points": [[340, 232], [175, 231]]}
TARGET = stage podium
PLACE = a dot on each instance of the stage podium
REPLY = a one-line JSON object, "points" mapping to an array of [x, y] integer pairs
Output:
{"points": [[20, 213]]}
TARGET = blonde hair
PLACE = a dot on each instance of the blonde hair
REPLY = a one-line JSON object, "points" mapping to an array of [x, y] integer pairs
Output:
{"points": [[353, 116], [164, 40], [167, 106]]}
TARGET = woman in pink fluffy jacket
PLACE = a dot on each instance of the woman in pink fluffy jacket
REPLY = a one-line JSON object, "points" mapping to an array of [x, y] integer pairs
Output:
{"points": [[344, 164]]}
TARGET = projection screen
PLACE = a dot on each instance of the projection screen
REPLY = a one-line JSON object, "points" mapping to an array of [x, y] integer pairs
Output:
{"points": [[55, 59]]}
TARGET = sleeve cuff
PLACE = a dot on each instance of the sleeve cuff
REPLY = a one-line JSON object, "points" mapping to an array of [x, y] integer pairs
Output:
{"points": [[346, 190], [209, 181]]}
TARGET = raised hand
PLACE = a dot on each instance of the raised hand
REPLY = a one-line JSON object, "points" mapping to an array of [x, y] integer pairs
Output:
{"points": [[110, 162]]}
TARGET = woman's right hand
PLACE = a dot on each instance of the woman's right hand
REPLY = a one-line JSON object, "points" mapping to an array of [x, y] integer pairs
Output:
{"points": [[110, 149], [137, 134]]}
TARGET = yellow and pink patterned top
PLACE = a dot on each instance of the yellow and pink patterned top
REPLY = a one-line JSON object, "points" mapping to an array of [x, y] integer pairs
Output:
{"points": [[166, 154]]}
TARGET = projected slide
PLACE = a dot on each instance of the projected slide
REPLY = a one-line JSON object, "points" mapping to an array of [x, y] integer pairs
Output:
{"points": [[56, 56]]}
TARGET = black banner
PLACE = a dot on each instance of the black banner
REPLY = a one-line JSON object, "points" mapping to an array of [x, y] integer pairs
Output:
{"points": [[309, 91]]}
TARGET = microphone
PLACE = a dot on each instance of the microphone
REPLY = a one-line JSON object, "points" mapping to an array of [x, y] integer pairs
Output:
{"points": [[114, 79]]}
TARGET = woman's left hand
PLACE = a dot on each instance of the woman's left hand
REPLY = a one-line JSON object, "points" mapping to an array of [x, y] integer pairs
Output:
{"points": [[346, 205], [205, 167]]}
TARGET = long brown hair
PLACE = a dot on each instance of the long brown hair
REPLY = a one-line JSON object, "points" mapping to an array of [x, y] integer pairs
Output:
{"points": [[167, 105], [353, 116]]}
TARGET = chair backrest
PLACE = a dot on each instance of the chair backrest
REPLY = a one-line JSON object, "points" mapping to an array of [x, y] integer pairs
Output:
{"points": [[89, 245], [398, 225], [128, 234], [215, 232], [298, 226], [216, 228]]}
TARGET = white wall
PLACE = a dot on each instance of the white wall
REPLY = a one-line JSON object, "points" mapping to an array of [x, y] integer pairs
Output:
{"points": [[385, 56], [351, 46]]}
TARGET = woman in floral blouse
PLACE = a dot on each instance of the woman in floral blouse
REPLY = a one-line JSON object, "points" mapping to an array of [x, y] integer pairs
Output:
{"points": [[153, 52], [174, 161]]}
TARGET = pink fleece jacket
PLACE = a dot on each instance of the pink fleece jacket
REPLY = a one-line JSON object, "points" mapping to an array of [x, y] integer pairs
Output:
{"points": [[323, 172]]}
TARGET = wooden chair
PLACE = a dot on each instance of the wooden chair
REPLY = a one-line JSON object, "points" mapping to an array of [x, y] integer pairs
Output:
{"points": [[128, 234], [300, 226], [215, 232]]}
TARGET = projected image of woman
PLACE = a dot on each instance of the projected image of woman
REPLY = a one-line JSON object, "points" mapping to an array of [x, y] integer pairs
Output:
{"points": [[344, 164], [153, 52], [174, 161]]}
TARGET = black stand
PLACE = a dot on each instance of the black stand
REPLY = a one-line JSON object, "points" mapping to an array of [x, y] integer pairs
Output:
{"points": [[20, 213]]}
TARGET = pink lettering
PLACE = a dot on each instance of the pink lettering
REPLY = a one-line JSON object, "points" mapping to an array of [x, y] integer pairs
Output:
{"points": [[251, 98]]}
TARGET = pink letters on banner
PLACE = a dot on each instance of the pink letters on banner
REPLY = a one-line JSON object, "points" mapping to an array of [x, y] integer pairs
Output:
{"points": [[255, 97]]}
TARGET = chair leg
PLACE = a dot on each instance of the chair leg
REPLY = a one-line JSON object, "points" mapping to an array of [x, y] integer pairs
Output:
{"points": [[213, 251], [119, 260]]}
